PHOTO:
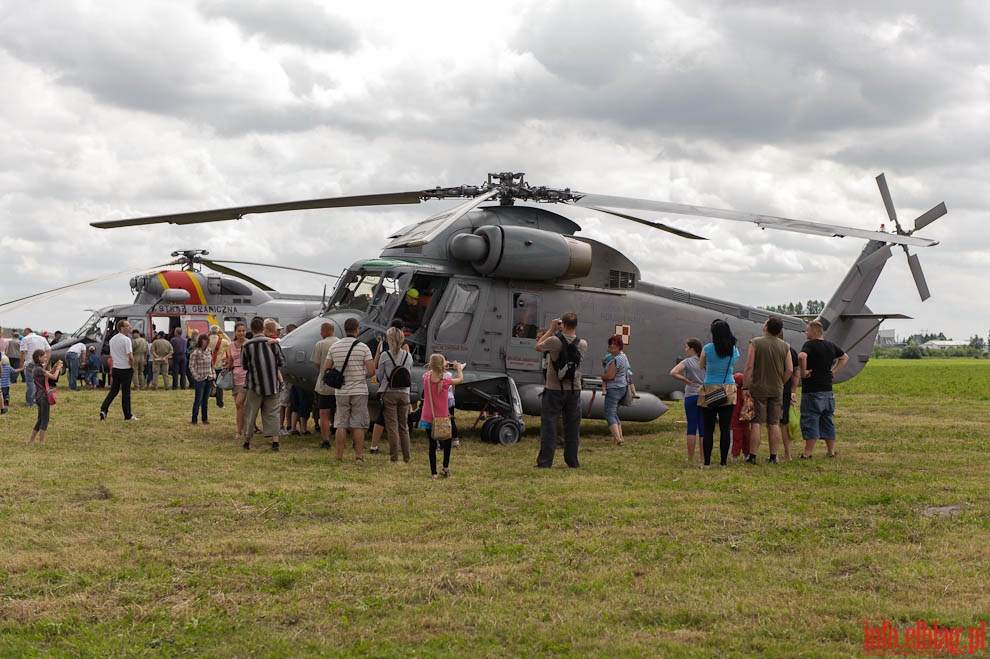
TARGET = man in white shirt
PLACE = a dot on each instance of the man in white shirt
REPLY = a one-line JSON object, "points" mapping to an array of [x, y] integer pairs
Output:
{"points": [[352, 397], [121, 372], [74, 356], [29, 343]]}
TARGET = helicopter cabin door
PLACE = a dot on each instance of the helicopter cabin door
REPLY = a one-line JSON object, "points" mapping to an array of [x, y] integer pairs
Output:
{"points": [[459, 328], [526, 313]]}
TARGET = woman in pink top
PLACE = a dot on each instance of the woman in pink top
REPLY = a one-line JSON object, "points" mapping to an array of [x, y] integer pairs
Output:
{"points": [[435, 387], [233, 364]]}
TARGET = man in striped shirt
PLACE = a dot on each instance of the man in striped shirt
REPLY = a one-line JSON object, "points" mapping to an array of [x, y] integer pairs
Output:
{"points": [[261, 357], [354, 358]]}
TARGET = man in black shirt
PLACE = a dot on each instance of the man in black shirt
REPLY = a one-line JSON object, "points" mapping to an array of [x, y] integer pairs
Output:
{"points": [[819, 361]]}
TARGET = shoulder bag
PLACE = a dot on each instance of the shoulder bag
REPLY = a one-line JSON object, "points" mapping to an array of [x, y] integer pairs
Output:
{"points": [[225, 380], [334, 377], [716, 395]]}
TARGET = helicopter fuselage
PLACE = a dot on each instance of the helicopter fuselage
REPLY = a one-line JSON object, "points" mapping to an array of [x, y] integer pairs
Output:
{"points": [[487, 311]]}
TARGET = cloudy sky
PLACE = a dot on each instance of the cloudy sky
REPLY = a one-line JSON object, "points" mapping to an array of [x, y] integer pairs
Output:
{"points": [[117, 109]]}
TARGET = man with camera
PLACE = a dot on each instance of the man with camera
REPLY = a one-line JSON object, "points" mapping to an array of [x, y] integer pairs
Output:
{"points": [[562, 390]]}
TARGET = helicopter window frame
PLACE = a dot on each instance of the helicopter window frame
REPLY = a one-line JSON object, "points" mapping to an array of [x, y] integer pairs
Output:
{"points": [[357, 291], [462, 301], [90, 327], [525, 309]]}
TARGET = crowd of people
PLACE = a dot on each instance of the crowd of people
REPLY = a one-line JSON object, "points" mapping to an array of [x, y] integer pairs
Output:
{"points": [[740, 404], [249, 365]]}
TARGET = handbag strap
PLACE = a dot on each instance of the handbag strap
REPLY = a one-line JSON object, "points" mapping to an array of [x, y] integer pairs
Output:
{"points": [[348, 357]]}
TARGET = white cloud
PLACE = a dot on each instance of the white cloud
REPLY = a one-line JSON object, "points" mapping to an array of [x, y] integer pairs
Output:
{"points": [[118, 109]]}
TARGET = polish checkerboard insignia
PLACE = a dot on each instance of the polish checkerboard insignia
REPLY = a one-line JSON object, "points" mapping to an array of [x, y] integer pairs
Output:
{"points": [[623, 331]]}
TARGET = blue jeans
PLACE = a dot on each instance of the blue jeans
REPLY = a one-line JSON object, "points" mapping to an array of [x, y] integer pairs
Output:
{"points": [[73, 360], [29, 380], [817, 409], [612, 397], [179, 371], [201, 400]]}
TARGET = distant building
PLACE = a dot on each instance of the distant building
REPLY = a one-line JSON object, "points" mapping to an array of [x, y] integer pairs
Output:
{"points": [[886, 338], [944, 345]]}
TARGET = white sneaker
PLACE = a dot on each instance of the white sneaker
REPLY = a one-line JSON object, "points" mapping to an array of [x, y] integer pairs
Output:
{"points": [[133, 418]]}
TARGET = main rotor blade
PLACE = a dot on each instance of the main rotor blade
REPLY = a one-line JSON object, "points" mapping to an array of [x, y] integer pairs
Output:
{"points": [[51, 292], [428, 229], [237, 212], [930, 216], [655, 225], [235, 273], [280, 267], [919, 277], [887, 201], [763, 221]]}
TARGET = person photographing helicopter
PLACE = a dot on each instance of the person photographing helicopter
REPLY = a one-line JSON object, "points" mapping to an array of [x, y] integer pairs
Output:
{"points": [[562, 390]]}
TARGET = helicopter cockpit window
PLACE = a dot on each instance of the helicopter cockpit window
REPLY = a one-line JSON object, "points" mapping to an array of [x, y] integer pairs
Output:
{"points": [[233, 287], [358, 291], [90, 328], [525, 312], [459, 314]]}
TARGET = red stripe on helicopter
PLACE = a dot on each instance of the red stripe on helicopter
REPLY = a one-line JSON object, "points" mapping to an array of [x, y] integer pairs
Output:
{"points": [[186, 281]]}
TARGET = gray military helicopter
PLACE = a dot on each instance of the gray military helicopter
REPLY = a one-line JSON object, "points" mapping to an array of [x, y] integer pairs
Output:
{"points": [[491, 272], [167, 297]]}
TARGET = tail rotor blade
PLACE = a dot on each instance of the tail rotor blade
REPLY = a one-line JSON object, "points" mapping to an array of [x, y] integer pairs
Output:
{"points": [[919, 277], [930, 216], [887, 201]]}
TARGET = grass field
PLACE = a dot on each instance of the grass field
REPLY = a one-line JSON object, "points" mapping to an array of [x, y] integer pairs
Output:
{"points": [[158, 538]]}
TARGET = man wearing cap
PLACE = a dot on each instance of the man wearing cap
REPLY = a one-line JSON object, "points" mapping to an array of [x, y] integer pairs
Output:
{"points": [[410, 312]]}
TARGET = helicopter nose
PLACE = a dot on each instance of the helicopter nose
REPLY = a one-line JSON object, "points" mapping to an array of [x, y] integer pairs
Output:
{"points": [[297, 347]]}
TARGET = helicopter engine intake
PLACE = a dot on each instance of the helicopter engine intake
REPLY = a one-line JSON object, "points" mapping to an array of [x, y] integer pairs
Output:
{"points": [[522, 253]]}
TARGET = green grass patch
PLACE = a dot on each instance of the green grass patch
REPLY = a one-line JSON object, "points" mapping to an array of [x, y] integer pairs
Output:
{"points": [[161, 538]]}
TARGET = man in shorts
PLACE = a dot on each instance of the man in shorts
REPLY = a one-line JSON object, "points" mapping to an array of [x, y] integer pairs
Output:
{"points": [[768, 367], [325, 399], [352, 398], [819, 361]]}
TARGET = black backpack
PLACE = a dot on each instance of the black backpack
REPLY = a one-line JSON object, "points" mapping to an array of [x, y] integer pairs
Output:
{"points": [[568, 362], [400, 377]]}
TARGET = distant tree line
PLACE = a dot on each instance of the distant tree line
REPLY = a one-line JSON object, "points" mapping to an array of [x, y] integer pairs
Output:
{"points": [[809, 308], [977, 348]]}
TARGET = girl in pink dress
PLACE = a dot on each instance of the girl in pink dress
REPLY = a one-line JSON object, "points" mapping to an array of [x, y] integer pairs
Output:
{"points": [[435, 387]]}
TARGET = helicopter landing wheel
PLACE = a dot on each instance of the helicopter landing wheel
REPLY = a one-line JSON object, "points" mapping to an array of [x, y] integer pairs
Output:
{"points": [[507, 432], [488, 430]]}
